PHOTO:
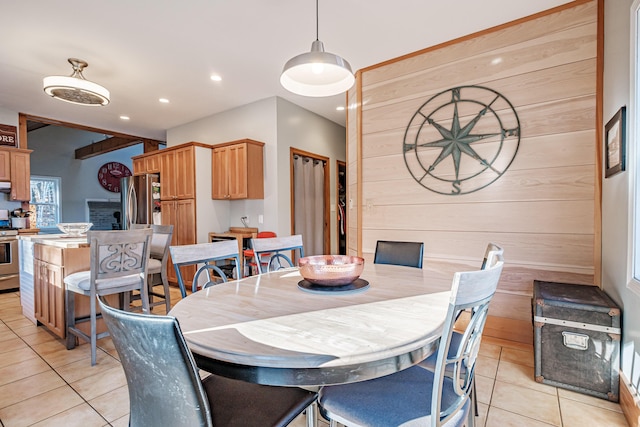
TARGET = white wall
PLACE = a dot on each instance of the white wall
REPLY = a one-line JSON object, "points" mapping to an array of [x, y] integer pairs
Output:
{"points": [[254, 121], [615, 196], [302, 129], [54, 155], [280, 125]]}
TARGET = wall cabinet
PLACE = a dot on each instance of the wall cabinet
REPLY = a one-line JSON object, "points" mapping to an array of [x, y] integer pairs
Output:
{"points": [[144, 165], [15, 166], [178, 167], [237, 170], [21, 175]]}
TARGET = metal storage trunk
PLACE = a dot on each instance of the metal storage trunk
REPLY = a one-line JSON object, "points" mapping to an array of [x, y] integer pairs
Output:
{"points": [[576, 338]]}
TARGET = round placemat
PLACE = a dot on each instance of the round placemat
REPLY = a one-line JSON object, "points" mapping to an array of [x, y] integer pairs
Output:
{"points": [[356, 286]]}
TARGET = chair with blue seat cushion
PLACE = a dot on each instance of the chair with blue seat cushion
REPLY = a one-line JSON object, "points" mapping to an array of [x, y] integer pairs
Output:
{"points": [[408, 254], [492, 251], [275, 249], [165, 387], [119, 263], [418, 396], [206, 254]]}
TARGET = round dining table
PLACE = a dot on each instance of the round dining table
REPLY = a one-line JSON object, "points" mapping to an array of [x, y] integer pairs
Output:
{"points": [[272, 329]]}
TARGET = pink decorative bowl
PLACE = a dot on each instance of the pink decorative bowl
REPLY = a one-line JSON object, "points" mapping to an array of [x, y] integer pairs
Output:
{"points": [[331, 270]]}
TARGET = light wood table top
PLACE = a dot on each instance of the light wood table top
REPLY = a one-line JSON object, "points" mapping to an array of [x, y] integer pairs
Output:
{"points": [[265, 329]]}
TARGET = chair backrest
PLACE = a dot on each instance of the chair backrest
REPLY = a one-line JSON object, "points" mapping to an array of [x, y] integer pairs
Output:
{"points": [[492, 250], [408, 254], [119, 253], [472, 291], [204, 253], [274, 248], [164, 384]]}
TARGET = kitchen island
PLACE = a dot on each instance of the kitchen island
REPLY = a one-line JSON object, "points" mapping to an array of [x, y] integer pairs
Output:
{"points": [[45, 259]]}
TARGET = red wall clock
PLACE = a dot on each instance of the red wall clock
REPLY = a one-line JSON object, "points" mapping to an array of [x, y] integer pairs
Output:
{"points": [[109, 175]]}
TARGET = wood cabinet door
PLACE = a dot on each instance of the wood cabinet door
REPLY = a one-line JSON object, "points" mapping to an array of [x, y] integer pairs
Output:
{"points": [[5, 165], [182, 215], [49, 296], [219, 174], [20, 176], [152, 163], [168, 217], [139, 167], [168, 176], [185, 173], [39, 292], [237, 171]]}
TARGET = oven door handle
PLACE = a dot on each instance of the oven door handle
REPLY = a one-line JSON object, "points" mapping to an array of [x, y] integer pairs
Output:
{"points": [[8, 276]]}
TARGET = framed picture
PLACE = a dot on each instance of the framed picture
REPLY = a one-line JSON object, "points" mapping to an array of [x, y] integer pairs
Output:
{"points": [[614, 144]]}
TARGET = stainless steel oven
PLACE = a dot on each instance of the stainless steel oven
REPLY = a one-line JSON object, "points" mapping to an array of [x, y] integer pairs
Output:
{"points": [[9, 266]]}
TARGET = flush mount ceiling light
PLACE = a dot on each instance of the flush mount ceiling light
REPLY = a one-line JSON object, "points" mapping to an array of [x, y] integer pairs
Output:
{"points": [[317, 73], [75, 88]]}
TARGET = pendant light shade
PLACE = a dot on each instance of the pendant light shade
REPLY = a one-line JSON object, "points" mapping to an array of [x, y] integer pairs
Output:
{"points": [[317, 73], [75, 88]]}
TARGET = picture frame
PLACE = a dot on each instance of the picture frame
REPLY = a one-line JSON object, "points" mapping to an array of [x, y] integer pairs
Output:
{"points": [[615, 144]]}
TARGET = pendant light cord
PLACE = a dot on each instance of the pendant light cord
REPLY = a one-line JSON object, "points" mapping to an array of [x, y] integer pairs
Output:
{"points": [[317, 20]]}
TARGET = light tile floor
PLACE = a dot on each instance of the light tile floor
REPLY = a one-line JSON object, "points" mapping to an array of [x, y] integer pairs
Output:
{"points": [[43, 384]]}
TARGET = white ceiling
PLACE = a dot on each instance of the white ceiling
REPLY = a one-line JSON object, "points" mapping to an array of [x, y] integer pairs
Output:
{"points": [[142, 50]]}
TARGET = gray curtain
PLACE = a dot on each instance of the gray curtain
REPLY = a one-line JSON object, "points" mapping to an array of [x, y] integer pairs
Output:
{"points": [[308, 177]]}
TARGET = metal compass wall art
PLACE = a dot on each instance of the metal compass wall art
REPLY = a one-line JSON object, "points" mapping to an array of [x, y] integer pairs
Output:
{"points": [[461, 140]]}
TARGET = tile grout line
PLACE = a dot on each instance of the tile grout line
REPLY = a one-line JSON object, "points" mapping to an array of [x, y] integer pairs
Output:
{"points": [[60, 376]]}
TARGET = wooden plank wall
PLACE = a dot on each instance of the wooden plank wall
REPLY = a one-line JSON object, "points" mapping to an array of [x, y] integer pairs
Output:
{"points": [[543, 210]]}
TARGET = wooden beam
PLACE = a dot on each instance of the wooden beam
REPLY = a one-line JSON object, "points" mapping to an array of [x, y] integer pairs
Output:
{"points": [[105, 146], [150, 145]]}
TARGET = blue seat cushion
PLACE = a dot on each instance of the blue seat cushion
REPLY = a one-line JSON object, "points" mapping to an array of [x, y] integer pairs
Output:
{"points": [[403, 398], [430, 362]]}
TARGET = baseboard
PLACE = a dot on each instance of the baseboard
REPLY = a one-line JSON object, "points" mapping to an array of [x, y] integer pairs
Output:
{"points": [[629, 402]]}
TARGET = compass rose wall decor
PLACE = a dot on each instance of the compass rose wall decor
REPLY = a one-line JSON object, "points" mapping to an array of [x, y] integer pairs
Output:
{"points": [[461, 140]]}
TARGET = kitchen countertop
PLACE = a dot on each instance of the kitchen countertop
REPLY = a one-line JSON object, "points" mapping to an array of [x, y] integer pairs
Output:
{"points": [[58, 240]]}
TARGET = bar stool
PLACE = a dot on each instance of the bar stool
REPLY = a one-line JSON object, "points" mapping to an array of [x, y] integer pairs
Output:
{"points": [[119, 262]]}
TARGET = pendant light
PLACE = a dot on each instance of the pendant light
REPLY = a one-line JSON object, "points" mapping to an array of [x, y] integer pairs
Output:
{"points": [[75, 88], [317, 73]]}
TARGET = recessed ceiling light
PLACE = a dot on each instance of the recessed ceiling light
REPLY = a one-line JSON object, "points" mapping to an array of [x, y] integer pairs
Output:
{"points": [[164, 100], [340, 108], [216, 78], [125, 118]]}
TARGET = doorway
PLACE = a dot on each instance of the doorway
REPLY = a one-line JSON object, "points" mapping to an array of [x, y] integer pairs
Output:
{"points": [[310, 200]]}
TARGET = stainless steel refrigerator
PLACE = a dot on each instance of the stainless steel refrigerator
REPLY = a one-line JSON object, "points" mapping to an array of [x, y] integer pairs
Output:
{"points": [[140, 200]]}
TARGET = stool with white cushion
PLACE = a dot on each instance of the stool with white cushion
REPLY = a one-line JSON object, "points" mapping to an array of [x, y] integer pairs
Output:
{"points": [[119, 263]]}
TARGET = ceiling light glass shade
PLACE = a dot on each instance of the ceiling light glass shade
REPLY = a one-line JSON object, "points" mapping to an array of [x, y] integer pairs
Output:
{"points": [[75, 88], [317, 73]]}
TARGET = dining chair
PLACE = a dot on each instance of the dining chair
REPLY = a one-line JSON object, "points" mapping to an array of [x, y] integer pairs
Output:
{"points": [[207, 254], [165, 387], [417, 396], [248, 254], [158, 257], [492, 251], [119, 265], [273, 248], [408, 254]]}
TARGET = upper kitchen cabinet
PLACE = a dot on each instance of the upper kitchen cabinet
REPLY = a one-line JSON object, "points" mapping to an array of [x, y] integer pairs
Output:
{"points": [[237, 170], [148, 164], [15, 167]]}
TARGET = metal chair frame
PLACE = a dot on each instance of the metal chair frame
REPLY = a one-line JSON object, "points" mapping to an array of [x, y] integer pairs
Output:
{"points": [[207, 254], [274, 246]]}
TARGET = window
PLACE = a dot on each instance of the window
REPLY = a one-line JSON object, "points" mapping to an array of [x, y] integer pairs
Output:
{"points": [[634, 152], [45, 201]]}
